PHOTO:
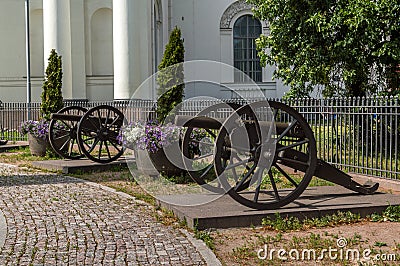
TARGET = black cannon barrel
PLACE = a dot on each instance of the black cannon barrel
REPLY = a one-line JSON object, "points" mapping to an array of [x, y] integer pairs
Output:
{"points": [[77, 118], [66, 117], [198, 122], [216, 123]]}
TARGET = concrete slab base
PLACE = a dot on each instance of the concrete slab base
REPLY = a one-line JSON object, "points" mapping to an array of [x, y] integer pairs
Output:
{"points": [[314, 202], [82, 165], [10, 145]]}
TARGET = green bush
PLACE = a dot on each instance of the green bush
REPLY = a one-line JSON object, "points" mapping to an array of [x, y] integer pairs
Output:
{"points": [[52, 100], [170, 77]]}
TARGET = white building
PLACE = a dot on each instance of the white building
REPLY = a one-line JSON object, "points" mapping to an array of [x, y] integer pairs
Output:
{"points": [[109, 47]]}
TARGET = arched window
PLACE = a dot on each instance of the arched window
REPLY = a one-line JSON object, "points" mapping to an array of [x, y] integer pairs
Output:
{"points": [[245, 31]]}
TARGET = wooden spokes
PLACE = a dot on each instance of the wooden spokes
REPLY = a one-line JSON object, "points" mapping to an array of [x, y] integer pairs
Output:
{"points": [[63, 133], [279, 164], [198, 146], [98, 132]]}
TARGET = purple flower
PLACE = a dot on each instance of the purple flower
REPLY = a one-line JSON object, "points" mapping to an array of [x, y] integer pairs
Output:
{"points": [[38, 129], [149, 136]]}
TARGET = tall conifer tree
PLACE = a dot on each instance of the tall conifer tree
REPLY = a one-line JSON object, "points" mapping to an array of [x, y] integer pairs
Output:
{"points": [[52, 100]]}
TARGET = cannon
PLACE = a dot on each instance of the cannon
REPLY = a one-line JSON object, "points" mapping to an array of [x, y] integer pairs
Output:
{"points": [[75, 132], [247, 168], [263, 154]]}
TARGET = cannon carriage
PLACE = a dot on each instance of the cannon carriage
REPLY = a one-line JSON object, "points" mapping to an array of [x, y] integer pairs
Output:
{"points": [[263, 154], [75, 132]]}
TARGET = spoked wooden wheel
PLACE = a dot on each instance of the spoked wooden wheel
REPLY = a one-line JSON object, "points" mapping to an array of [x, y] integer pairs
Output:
{"points": [[279, 164], [198, 146], [63, 133], [98, 132]]}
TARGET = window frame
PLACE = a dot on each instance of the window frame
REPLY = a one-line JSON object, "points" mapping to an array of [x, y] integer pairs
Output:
{"points": [[249, 62]]}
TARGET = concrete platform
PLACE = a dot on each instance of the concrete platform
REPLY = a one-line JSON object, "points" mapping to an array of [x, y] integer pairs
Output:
{"points": [[315, 201], [81, 165], [10, 145]]}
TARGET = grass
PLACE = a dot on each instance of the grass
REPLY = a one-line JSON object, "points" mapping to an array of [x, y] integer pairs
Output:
{"points": [[206, 237], [243, 252], [269, 239], [24, 156], [391, 214], [380, 244], [11, 135], [290, 223]]}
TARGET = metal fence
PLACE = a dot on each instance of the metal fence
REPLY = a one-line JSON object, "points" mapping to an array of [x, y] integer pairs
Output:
{"points": [[13, 114], [358, 135]]}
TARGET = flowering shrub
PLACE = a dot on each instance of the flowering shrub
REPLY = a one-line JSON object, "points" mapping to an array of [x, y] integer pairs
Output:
{"points": [[38, 129], [150, 136]]}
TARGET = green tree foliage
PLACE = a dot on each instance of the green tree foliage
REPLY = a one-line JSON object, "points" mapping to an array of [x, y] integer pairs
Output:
{"points": [[345, 47], [170, 77], [52, 100]]}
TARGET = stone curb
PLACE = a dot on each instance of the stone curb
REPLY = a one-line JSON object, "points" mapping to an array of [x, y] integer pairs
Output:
{"points": [[3, 221], [201, 247], [3, 229]]}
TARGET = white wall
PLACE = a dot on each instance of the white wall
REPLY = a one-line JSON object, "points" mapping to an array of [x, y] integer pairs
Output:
{"points": [[36, 42], [204, 40], [12, 51], [86, 46], [75, 48], [199, 22]]}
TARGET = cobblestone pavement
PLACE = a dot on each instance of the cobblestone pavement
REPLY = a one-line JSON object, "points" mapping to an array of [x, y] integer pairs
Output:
{"points": [[57, 220]]}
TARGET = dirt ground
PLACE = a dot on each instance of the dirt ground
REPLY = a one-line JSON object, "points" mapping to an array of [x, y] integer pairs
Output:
{"points": [[239, 246]]}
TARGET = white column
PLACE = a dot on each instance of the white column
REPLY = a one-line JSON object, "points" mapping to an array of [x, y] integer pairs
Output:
{"points": [[123, 51], [50, 27], [57, 35], [63, 30], [77, 49], [132, 47]]}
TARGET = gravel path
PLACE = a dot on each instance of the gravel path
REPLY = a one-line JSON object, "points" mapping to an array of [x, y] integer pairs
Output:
{"points": [[57, 220]]}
